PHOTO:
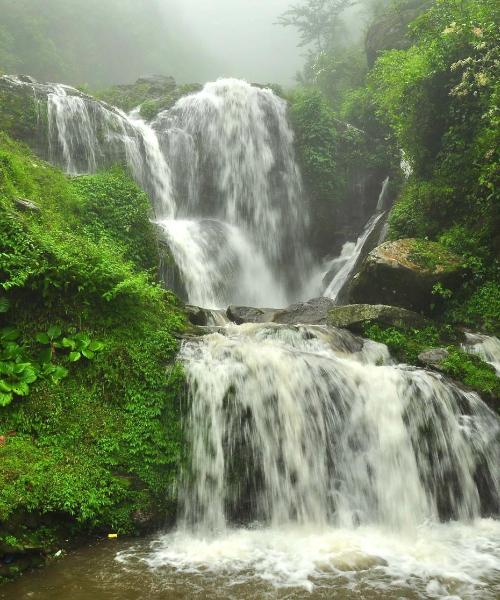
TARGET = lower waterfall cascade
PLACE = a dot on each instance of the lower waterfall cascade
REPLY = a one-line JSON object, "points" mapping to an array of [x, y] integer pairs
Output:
{"points": [[314, 462], [314, 457]]}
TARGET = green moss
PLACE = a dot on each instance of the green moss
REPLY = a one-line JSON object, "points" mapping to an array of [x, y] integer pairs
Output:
{"points": [[19, 113], [153, 96], [433, 256], [114, 208], [101, 449]]}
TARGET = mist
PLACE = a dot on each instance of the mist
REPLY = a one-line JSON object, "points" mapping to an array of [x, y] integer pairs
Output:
{"points": [[103, 42], [239, 38]]}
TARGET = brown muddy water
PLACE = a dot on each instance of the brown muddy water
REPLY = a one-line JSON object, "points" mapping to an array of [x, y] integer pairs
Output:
{"points": [[449, 561]]}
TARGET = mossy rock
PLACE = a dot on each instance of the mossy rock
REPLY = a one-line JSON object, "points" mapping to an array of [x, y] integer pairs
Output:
{"points": [[23, 115], [409, 273], [355, 316]]}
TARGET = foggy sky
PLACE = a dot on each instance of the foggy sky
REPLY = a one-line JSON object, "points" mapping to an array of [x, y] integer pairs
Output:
{"points": [[239, 38]]}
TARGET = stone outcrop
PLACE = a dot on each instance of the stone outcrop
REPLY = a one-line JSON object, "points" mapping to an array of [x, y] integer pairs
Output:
{"points": [[433, 358], [249, 314], [354, 316], [407, 273], [390, 30], [312, 312]]}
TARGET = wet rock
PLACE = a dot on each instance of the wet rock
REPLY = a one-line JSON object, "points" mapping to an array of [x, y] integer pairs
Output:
{"points": [[354, 316], [390, 30], [433, 358], [405, 273], [197, 315], [26, 205], [312, 312], [249, 314]]}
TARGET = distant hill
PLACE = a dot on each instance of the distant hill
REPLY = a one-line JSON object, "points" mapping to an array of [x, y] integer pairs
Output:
{"points": [[96, 42]]}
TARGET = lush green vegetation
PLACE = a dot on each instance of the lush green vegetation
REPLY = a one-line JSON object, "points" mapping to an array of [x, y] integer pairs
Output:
{"points": [[96, 442], [440, 101], [153, 95], [435, 99], [407, 344]]}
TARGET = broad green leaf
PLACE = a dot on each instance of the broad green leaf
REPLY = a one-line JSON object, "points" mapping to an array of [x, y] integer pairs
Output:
{"points": [[45, 355], [42, 338], [4, 305], [88, 354], [54, 332], [96, 346], [9, 334], [21, 389], [5, 399], [30, 376], [7, 368], [59, 373], [68, 343], [74, 356], [5, 387]]}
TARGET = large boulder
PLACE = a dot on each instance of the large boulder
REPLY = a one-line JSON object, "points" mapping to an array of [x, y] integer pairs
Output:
{"points": [[355, 316], [249, 314], [312, 312], [410, 273], [433, 358]]}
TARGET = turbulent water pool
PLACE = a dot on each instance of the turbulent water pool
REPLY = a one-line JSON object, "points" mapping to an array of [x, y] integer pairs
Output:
{"points": [[440, 561]]}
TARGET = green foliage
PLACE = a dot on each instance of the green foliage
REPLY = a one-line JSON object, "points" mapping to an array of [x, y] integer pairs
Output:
{"points": [[481, 308], [473, 372], [317, 137], [114, 209], [432, 256], [407, 344], [151, 107], [103, 444], [440, 100]]}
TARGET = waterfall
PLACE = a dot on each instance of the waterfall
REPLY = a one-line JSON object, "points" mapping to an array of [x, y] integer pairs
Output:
{"points": [[220, 169], [231, 151], [311, 425], [382, 199], [343, 268], [349, 259], [337, 462], [486, 347]]}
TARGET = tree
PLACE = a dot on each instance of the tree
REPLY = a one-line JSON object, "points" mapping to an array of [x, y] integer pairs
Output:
{"points": [[316, 20]]}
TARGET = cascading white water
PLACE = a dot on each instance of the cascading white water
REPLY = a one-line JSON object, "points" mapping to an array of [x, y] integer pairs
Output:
{"points": [[326, 433], [342, 268], [231, 152], [487, 347], [338, 461], [220, 169]]}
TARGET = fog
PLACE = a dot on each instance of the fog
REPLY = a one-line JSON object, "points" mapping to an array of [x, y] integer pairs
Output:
{"points": [[240, 38], [100, 42]]}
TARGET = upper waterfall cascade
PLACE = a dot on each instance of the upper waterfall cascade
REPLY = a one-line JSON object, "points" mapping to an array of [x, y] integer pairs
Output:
{"points": [[220, 169]]}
